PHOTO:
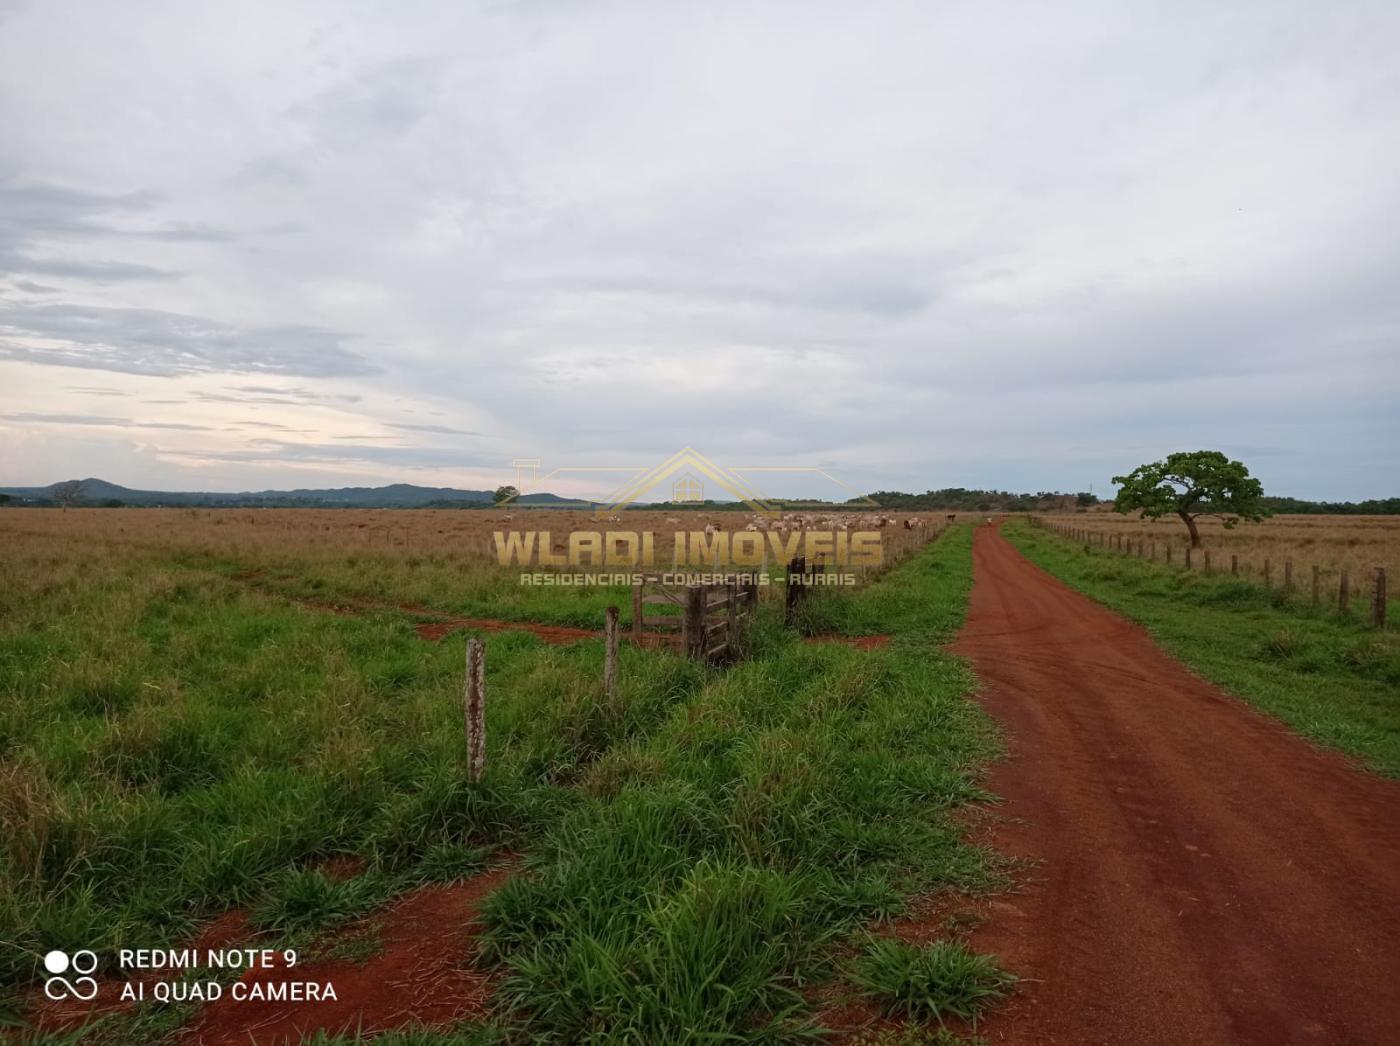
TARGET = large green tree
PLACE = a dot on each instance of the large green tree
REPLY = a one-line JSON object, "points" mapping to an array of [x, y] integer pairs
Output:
{"points": [[1192, 484], [504, 494]]}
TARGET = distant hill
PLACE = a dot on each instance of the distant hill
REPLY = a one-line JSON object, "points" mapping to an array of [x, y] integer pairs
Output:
{"points": [[98, 492]]}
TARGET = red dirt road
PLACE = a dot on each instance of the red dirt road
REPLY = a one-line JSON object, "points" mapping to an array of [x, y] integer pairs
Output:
{"points": [[1203, 875]]}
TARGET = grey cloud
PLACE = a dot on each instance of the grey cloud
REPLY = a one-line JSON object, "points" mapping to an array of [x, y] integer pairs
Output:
{"points": [[29, 208], [94, 419], [148, 341], [30, 287], [270, 170], [61, 419], [372, 104], [296, 392], [31, 213], [269, 450], [442, 429], [281, 397], [96, 270]]}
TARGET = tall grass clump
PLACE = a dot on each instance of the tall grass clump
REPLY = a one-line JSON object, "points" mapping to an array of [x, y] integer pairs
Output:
{"points": [[928, 982]]}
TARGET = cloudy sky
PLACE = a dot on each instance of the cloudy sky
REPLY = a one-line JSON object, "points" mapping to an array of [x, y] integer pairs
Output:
{"points": [[921, 245]]}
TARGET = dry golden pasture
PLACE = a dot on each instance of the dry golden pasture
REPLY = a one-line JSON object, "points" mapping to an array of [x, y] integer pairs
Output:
{"points": [[310, 534], [1356, 544]]}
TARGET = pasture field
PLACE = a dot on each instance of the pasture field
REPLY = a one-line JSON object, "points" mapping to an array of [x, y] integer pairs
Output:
{"points": [[1328, 675], [1356, 544], [186, 731], [442, 561]]}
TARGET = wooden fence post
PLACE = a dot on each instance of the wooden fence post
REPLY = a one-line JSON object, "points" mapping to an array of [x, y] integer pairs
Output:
{"points": [[476, 708], [731, 624], [693, 628], [1206, 564], [1188, 557], [1169, 555], [1343, 592], [1268, 573], [637, 615], [1288, 575], [796, 568], [610, 652], [1315, 589], [1234, 564], [1378, 598]]}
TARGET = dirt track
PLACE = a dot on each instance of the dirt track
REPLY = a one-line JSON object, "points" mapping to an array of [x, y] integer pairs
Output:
{"points": [[1203, 875]]}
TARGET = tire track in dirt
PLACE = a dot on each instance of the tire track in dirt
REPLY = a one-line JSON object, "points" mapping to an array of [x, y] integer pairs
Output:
{"points": [[1202, 874]]}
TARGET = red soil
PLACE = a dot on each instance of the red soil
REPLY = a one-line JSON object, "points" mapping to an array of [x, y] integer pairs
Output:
{"points": [[557, 634], [1203, 875], [423, 975]]}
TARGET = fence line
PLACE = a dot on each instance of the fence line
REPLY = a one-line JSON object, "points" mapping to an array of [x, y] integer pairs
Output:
{"points": [[1089, 538]]}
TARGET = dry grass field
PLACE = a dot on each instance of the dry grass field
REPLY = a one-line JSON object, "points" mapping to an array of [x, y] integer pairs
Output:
{"points": [[329, 533], [1356, 544]]}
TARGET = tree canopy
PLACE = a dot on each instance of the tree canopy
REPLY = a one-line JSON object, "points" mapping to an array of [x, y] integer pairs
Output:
{"points": [[1192, 484], [504, 494]]}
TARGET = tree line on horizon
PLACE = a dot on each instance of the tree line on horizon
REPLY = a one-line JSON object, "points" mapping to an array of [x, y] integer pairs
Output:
{"points": [[948, 499]]}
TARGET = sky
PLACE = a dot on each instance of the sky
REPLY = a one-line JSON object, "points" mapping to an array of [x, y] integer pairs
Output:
{"points": [[1017, 246]]}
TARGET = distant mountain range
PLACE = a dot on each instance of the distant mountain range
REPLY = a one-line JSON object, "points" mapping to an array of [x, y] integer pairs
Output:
{"points": [[98, 492]]}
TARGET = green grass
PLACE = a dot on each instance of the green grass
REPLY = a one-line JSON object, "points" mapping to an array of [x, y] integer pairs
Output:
{"points": [[448, 585], [1328, 676], [928, 982], [176, 742], [700, 888]]}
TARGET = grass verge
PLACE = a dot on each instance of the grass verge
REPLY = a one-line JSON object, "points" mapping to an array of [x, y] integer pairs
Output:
{"points": [[1328, 676]]}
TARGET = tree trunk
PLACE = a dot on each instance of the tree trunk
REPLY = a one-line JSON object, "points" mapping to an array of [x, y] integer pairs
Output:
{"points": [[1190, 522]]}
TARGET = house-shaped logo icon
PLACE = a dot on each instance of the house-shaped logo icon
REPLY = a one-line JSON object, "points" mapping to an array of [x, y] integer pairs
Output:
{"points": [[689, 472], [687, 488]]}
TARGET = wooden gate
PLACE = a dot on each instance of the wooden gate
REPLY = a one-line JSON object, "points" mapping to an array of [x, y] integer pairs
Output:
{"points": [[703, 621]]}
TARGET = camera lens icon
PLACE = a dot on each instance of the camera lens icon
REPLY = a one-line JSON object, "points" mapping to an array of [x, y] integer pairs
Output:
{"points": [[81, 963]]}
